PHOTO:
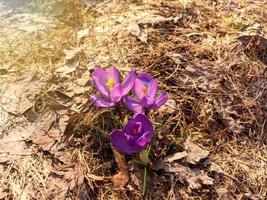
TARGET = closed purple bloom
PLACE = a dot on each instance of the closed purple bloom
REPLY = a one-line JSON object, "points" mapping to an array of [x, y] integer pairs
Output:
{"points": [[135, 136], [107, 83], [145, 89]]}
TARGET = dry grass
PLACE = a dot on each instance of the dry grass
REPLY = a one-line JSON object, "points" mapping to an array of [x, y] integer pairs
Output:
{"points": [[219, 87]]}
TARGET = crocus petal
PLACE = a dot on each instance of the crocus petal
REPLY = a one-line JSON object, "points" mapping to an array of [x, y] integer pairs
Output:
{"points": [[133, 104], [133, 128], [138, 89], [152, 89], [144, 103], [100, 86], [120, 140], [116, 93], [101, 74], [128, 129], [100, 102], [128, 83], [145, 77], [161, 99], [142, 83], [114, 73], [143, 119], [144, 140]]}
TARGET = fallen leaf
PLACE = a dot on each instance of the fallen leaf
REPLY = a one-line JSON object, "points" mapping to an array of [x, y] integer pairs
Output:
{"points": [[152, 18], [120, 159], [195, 153], [58, 99], [42, 127], [194, 177], [74, 176], [169, 107], [233, 125], [176, 156], [139, 31], [216, 168], [84, 79], [72, 53], [14, 143], [19, 96], [67, 68], [82, 34], [47, 141], [120, 180], [205, 179]]}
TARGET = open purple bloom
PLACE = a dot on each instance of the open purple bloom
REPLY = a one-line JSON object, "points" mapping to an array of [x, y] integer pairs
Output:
{"points": [[107, 83], [145, 89], [135, 136]]}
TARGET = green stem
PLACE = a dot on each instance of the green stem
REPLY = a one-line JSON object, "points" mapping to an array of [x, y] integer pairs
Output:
{"points": [[144, 181]]}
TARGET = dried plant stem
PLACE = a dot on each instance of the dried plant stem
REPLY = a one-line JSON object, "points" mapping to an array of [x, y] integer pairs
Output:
{"points": [[121, 179], [120, 159]]}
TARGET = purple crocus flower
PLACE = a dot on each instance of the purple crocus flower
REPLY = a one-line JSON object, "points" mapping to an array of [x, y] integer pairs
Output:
{"points": [[107, 83], [135, 136], [145, 90]]}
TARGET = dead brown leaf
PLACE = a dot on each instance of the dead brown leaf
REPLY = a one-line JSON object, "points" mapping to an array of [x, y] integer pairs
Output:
{"points": [[120, 180], [195, 153], [14, 143], [19, 96], [176, 156], [44, 135], [169, 107], [216, 168], [151, 18], [67, 68], [139, 31], [194, 177], [47, 141], [71, 53], [82, 34]]}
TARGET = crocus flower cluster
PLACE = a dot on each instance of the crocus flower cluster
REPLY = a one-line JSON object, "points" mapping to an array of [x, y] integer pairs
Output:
{"points": [[139, 93], [135, 136], [108, 85]]}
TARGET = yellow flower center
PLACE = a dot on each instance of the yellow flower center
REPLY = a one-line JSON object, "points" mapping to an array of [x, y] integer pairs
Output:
{"points": [[110, 83], [144, 89]]}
